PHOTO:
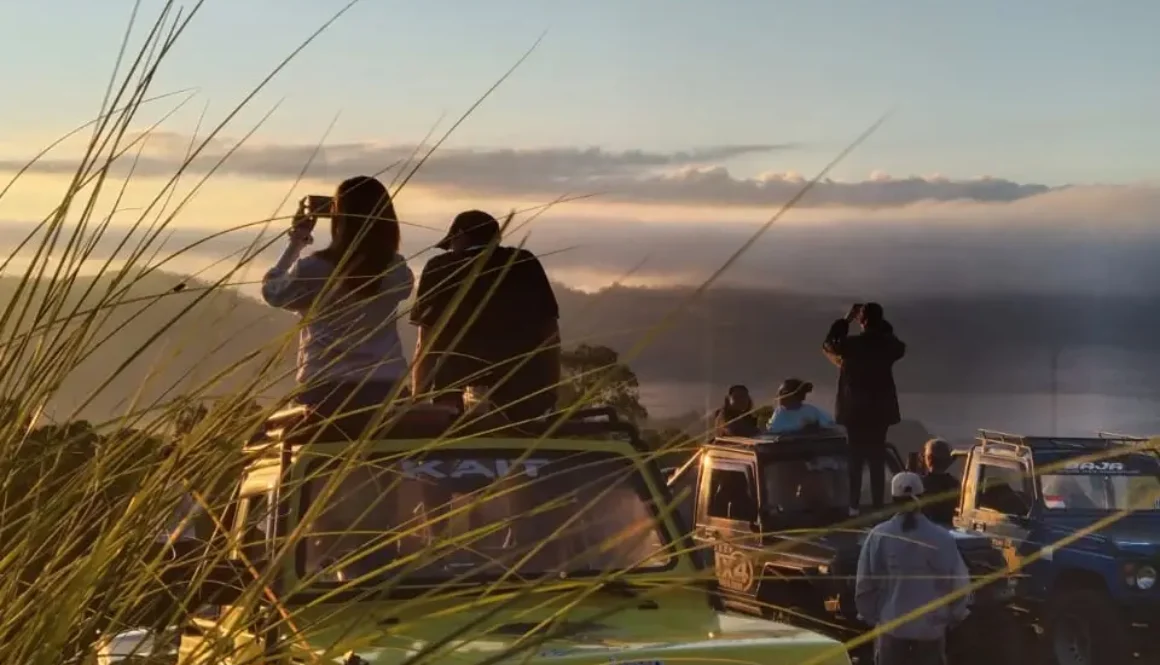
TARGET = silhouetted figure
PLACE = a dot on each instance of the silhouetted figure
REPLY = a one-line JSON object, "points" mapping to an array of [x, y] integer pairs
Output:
{"points": [[941, 488], [793, 413], [487, 318], [349, 354], [867, 401], [736, 417]]}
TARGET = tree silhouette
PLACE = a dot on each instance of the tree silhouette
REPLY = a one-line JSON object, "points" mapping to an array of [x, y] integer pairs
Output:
{"points": [[594, 375]]}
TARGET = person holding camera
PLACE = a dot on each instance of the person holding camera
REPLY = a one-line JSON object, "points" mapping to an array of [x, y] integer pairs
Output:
{"points": [[348, 294], [867, 400]]}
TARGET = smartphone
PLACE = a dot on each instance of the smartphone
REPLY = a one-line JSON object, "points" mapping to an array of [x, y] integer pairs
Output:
{"points": [[317, 205], [313, 206]]}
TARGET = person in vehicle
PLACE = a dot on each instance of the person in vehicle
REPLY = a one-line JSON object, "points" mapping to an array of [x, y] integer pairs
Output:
{"points": [[942, 489], [908, 564], [348, 294], [867, 401], [736, 416], [793, 413], [487, 318]]}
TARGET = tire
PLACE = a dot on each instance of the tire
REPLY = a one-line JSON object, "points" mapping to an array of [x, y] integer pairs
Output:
{"points": [[1084, 627], [989, 636]]}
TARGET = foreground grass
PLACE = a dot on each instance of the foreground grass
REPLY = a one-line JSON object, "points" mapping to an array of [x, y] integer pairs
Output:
{"points": [[82, 509]]}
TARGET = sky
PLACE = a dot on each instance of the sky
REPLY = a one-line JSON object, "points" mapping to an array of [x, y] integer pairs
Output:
{"points": [[692, 121]]}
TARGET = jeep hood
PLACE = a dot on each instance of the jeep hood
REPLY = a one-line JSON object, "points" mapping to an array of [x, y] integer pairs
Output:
{"points": [[591, 633], [1137, 534]]}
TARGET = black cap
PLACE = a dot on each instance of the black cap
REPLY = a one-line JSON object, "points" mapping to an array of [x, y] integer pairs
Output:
{"points": [[476, 225]]}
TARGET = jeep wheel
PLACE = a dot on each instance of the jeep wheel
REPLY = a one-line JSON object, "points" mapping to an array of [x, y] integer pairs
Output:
{"points": [[1083, 627]]}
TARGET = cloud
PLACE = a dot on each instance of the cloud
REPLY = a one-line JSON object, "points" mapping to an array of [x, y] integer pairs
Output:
{"points": [[1079, 240], [690, 177]]}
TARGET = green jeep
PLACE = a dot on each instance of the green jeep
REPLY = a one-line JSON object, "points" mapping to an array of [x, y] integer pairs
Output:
{"points": [[556, 543]]}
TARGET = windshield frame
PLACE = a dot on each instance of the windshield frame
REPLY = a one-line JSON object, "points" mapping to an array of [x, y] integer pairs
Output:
{"points": [[313, 471]]}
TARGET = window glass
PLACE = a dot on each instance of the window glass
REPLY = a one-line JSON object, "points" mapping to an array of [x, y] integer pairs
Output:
{"points": [[1118, 483], [808, 484], [448, 516], [731, 495], [1003, 489]]}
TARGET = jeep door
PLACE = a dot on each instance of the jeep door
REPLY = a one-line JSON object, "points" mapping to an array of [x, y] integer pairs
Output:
{"points": [[233, 631], [1001, 503], [727, 516]]}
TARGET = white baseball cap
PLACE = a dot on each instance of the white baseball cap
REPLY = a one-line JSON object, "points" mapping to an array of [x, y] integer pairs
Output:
{"points": [[905, 484]]}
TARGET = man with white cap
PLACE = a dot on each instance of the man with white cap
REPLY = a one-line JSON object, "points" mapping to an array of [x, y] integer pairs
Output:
{"points": [[908, 564]]}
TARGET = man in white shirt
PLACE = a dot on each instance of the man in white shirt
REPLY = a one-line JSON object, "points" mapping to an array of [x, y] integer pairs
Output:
{"points": [[908, 564]]}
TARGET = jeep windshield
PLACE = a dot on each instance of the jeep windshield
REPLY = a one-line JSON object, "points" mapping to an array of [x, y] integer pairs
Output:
{"points": [[1124, 482], [807, 486], [472, 514]]}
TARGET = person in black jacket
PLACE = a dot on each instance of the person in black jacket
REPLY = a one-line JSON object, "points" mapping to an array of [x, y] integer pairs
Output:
{"points": [[736, 417], [941, 488], [867, 401]]}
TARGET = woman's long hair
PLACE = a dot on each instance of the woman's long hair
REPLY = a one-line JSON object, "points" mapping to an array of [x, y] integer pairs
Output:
{"points": [[364, 232]]}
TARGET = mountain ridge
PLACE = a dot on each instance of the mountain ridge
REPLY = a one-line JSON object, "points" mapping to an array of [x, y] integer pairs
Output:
{"points": [[1000, 344]]}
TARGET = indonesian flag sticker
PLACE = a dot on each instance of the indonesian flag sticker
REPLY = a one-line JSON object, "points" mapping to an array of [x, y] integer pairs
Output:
{"points": [[1054, 501]]}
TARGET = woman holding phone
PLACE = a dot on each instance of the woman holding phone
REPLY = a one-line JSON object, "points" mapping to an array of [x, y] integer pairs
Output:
{"points": [[348, 294]]}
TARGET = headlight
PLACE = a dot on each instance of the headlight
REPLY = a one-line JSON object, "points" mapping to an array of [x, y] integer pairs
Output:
{"points": [[1145, 577]]}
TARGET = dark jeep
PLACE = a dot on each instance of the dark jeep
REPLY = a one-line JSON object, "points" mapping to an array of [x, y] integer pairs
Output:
{"points": [[773, 514], [1081, 517]]}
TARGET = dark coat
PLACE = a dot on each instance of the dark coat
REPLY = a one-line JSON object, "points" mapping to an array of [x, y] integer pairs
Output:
{"points": [[867, 396]]}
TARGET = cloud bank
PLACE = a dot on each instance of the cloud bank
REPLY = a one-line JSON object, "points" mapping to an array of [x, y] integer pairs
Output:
{"points": [[691, 177], [1081, 240]]}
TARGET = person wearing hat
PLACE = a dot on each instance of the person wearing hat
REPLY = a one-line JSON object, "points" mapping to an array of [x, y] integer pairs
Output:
{"points": [[487, 317], [793, 413], [908, 566]]}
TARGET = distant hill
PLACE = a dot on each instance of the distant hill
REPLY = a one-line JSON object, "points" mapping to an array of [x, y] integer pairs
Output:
{"points": [[993, 344], [167, 342]]}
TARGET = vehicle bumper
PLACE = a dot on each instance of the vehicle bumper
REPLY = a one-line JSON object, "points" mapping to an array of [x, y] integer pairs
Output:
{"points": [[998, 593], [1144, 620]]}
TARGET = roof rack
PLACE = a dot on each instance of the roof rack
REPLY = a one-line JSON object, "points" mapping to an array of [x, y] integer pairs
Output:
{"points": [[1017, 443], [1114, 436], [765, 439]]}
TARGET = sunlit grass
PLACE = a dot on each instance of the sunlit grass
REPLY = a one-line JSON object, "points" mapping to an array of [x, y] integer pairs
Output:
{"points": [[83, 506]]}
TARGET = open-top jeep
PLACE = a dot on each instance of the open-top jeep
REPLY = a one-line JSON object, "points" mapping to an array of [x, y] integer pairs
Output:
{"points": [[774, 512], [1081, 517], [556, 543]]}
